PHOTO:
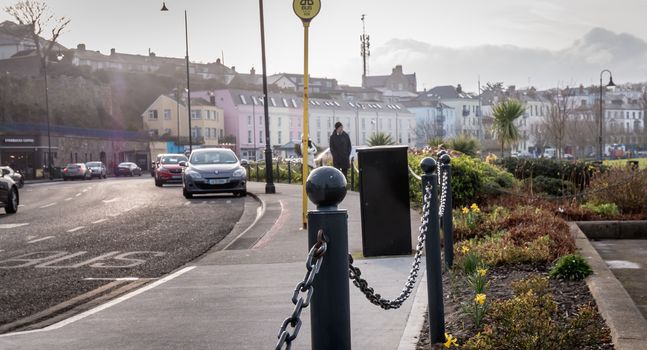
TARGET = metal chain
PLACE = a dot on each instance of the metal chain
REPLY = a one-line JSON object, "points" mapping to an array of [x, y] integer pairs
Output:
{"points": [[443, 193], [355, 273], [313, 264]]}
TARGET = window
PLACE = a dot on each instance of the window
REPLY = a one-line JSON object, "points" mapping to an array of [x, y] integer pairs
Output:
{"points": [[285, 102], [279, 124], [222, 133], [196, 114], [260, 119], [318, 123], [318, 137], [294, 103], [279, 137], [243, 100], [255, 100], [208, 133], [273, 104], [249, 136], [167, 114], [167, 131], [260, 136], [291, 135], [152, 114], [249, 120], [153, 132]]}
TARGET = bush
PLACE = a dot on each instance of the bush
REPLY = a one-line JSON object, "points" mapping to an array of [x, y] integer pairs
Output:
{"points": [[536, 284], [465, 144], [606, 210], [571, 267], [625, 187], [577, 173], [551, 186]]}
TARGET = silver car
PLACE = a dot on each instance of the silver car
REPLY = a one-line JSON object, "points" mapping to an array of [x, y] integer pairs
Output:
{"points": [[214, 170], [98, 169]]}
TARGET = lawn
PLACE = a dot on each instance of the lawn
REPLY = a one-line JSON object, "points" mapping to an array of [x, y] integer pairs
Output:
{"points": [[642, 162]]}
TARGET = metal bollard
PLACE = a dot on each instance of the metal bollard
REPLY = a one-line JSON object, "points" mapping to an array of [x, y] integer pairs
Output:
{"points": [[278, 173], [330, 305], [448, 222], [257, 180], [433, 261], [352, 174]]}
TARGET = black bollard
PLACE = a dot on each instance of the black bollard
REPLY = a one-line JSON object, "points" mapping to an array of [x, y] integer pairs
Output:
{"points": [[433, 261], [330, 305], [448, 221], [257, 171], [278, 174], [352, 174]]}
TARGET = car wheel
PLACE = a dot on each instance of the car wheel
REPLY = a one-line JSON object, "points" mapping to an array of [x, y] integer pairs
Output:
{"points": [[158, 183], [21, 183], [12, 201], [242, 193], [187, 194]]}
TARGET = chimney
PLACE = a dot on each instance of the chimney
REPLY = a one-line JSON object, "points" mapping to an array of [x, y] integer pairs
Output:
{"points": [[112, 51], [252, 71], [80, 47], [459, 88], [233, 68], [397, 69], [218, 61], [212, 99]]}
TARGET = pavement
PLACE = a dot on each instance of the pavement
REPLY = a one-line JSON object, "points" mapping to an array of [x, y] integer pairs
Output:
{"points": [[237, 295]]}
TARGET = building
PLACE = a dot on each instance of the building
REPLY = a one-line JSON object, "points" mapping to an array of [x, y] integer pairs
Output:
{"points": [[394, 87], [244, 118], [467, 109], [166, 120], [434, 119]]}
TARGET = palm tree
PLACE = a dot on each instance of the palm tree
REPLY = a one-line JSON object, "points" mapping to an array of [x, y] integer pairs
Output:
{"points": [[505, 113], [380, 139], [465, 144]]}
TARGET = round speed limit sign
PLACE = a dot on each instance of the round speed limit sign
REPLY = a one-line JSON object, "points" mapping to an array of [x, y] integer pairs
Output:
{"points": [[306, 9]]}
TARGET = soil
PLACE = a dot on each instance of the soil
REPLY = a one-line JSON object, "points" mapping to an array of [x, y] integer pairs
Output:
{"points": [[569, 296]]}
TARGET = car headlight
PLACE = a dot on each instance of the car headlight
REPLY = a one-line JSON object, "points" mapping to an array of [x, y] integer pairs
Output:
{"points": [[162, 169], [239, 172], [194, 174]]}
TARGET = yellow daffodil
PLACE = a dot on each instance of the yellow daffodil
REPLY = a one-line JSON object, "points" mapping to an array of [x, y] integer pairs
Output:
{"points": [[451, 340], [480, 298], [465, 210], [475, 208], [465, 249], [482, 272]]}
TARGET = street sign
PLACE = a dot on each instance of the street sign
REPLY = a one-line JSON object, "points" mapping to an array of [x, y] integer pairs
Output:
{"points": [[306, 9]]}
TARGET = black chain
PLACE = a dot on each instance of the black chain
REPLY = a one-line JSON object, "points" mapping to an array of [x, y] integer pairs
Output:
{"points": [[313, 264], [354, 273]]}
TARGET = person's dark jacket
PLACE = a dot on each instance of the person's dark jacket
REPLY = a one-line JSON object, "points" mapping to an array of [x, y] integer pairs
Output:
{"points": [[340, 149]]}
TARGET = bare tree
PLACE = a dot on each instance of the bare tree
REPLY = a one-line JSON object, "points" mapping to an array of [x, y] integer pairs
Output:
{"points": [[556, 122], [582, 129], [427, 130], [36, 16]]}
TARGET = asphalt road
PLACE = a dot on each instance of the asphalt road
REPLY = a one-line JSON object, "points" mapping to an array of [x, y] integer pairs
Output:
{"points": [[69, 238]]}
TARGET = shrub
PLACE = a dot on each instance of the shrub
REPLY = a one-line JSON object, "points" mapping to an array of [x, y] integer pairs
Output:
{"points": [[536, 284], [625, 187], [578, 173], [465, 144], [571, 267], [606, 210], [500, 249], [551, 186]]}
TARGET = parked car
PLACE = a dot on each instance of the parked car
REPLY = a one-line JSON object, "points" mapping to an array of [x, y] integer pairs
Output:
{"points": [[128, 169], [168, 169], [16, 176], [214, 170], [98, 169], [155, 164], [9, 197], [76, 171]]}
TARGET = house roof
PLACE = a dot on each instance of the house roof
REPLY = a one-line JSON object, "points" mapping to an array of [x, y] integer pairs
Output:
{"points": [[372, 81], [444, 92]]}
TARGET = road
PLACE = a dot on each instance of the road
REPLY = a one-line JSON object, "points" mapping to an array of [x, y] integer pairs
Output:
{"points": [[73, 238]]}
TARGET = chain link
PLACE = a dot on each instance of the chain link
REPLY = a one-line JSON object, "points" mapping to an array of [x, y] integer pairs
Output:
{"points": [[443, 192], [355, 273], [313, 264]]}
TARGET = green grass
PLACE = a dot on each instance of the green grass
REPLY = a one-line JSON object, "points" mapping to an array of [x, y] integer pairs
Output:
{"points": [[642, 162]]}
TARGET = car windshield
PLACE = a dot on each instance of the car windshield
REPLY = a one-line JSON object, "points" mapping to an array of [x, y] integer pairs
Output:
{"points": [[173, 159], [72, 166], [213, 157], [94, 164], [125, 165]]}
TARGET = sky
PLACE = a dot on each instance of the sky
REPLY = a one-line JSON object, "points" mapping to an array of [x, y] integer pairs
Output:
{"points": [[541, 43]]}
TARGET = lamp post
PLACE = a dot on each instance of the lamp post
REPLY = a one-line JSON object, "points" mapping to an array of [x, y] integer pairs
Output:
{"points": [[269, 185], [601, 117], [188, 88], [49, 138]]}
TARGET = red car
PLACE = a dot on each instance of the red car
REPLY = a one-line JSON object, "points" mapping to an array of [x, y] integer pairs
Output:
{"points": [[168, 169]]}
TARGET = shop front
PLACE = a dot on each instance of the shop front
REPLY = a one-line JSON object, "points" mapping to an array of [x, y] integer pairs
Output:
{"points": [[25, 154]]}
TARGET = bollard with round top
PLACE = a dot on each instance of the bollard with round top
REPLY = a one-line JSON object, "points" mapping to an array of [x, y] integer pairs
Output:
{"points": [[447, 219], [330, 304], [436, 313]]}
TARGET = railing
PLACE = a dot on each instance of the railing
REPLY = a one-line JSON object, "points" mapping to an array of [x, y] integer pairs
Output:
{"points": [[328, 295]]}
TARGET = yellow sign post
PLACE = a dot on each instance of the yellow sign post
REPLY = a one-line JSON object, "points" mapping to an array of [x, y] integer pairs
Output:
{"points": [[306, 10]]}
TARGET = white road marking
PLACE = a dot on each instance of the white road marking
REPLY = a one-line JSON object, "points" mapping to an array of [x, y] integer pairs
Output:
{"points": [[78, 194], [1, 250], [115, 214], [76, 229], [228, 201], [68, 199], [99, 221], [13, 225], [111, 200], [85, 190], [187, 203], [622, 264], [47, 205], [41, 239], [21, 205], [106, 305], [111, 279]]}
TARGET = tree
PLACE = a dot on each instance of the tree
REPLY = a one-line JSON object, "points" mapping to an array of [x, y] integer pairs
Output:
{"points": [[427, 130], [557, 120], [505, 113], [465, 144], [36, 16], [380, 139]]}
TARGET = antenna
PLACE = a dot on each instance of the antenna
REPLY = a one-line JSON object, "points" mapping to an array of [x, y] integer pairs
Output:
{"points": [[364, 47]]}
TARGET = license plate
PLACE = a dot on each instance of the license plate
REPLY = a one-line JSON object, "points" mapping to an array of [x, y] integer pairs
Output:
{"points": [[218, 181], [175, 176]]}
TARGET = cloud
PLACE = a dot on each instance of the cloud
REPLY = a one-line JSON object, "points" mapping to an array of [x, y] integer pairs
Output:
{"points": [[624, 54]]}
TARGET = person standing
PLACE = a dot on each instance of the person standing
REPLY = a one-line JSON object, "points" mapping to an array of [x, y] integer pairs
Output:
{"points": [[340, 148]]}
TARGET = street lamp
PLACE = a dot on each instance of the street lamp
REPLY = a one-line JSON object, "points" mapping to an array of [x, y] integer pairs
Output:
{"points": [[600, 154], [188, 88], [269, 185], [49, 138]]}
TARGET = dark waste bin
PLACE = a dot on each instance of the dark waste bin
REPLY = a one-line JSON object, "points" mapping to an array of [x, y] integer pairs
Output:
{"points": [[384, 200]]}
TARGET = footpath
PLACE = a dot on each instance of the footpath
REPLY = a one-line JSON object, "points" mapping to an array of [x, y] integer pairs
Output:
{"points": [[237, 295]]}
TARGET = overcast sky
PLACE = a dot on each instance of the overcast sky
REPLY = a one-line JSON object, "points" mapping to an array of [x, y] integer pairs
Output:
{"points": [[542, 43]]}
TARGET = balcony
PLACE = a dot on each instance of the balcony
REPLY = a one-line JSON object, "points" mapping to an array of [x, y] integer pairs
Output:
{"points": [[466, 112], [440, 119]]}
